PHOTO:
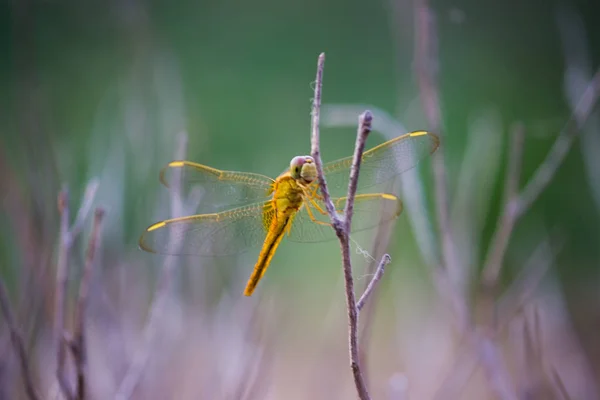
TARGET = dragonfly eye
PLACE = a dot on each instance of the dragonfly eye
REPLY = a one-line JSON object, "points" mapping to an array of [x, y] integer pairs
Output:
{"points": [[296, 166]]}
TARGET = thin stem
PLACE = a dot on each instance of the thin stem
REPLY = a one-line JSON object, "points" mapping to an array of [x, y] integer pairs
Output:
{"points": [[342, 227], [545, 172], [145, 349], [315, 149], [501, 237], [79, 342], [425, 65], [62, 273], [385, 260], [365, 122], [364, 128], [86, 205], [17, 342]]}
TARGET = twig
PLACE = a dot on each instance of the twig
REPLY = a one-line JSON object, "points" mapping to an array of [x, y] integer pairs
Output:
{"points": [[86, 205], [66, 239], [343, 235], [519, 294], [494, 368], [62, 272], [17, 342], [385, 260], [425, 60], [342, 226], [516, 204], [501, 237], [315, 148], [545, 172], [451, 278], [78, 346], [140, 358]]}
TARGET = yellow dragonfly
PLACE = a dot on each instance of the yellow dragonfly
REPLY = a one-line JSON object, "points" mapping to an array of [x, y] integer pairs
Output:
{"points": [[259, 211]]}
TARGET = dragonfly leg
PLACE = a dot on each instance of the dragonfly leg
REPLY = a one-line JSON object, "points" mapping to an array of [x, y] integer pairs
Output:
{"points": [[312, 217], [316, 195]]}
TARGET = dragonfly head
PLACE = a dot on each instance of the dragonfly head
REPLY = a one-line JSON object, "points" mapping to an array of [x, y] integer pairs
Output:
{"points": [[303, 168]]}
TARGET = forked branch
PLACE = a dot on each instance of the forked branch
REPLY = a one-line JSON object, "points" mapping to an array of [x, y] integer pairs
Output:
{"points": [[66, 239], [78, 346], [342, 225]]}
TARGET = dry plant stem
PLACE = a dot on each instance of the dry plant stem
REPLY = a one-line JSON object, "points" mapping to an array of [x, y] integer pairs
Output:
{"points": [[343, 234], [501, 237], [450, 279], [494, 368], [340, 226], [315, 149], [17, 342], [79, 343], [516, 204], [67, 236], [86, 205], [545, 172], [385, 260], [424, 61], [522, 290], [62, 273], [142, 354]]}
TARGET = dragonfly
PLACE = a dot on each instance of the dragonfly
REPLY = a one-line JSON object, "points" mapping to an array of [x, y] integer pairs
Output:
{"points": [[256, 211]]}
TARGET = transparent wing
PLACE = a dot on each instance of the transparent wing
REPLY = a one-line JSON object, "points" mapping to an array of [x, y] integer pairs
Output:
{"points": [[370, 211], [220, 189], [224, 233], [382, 162]]}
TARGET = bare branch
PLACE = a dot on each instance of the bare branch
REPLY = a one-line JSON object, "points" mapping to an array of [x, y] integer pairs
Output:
{"points": [[78, 347], [62, 272], [342, 227], [365, 121], [425, 65], [545, 172], [17, 342], [142, 354], [494, 368], [518, 295], [315, 149], [86, 205], [385, 260], [504, 228]]}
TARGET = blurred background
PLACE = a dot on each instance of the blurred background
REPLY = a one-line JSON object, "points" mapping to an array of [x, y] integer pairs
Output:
{"points": [[98, 96]]}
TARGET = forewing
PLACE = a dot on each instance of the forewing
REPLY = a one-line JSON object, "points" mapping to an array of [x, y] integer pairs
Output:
{"points": [[224, 233], [220, 189], [381, 163]]}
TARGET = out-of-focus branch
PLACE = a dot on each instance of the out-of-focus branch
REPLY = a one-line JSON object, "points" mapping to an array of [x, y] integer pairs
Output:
{"points": [[62, 272], [315, 143], [78, 346], [450, 279], [66, 239], [518, 295], [86, 205], [17, 342], [545, 172], [385, 260], [342, 225], [425, 64], [501, 237], [516, 204], [140, 358], [493, 366]]}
